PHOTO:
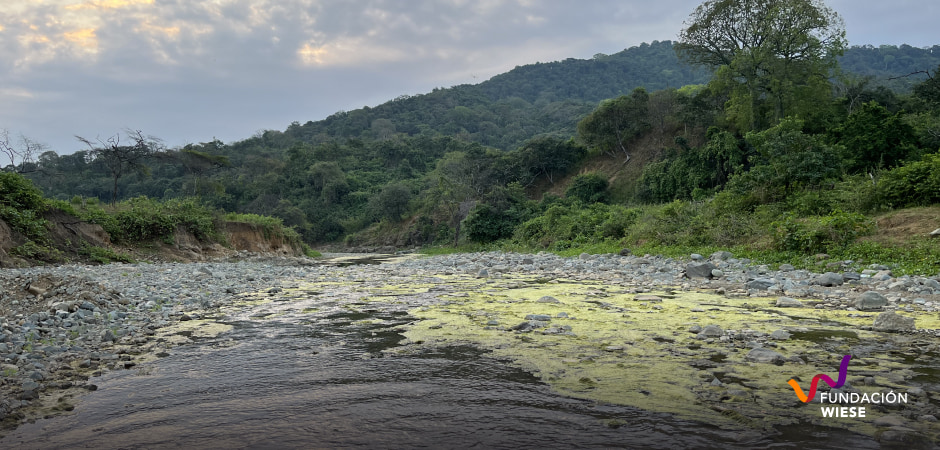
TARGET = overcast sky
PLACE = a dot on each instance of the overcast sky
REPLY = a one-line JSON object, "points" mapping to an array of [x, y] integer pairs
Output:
{"points": [[192, 70]]}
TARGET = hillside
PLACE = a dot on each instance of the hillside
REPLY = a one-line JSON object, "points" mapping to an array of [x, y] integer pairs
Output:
{"points": [[431, 157]]}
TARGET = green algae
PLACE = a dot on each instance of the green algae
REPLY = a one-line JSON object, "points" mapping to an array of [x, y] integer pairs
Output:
{"points": [[613, 348]]}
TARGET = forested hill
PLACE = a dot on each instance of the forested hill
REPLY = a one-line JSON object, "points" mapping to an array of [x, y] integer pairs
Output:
{"points": [[540, 98], [510, 108]]}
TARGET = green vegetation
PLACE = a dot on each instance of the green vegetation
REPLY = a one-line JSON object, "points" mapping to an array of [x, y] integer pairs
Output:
{"points": [[776, 140]]}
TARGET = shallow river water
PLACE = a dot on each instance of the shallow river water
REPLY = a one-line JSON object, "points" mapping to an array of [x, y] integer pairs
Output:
{"points": [[315, 372]]}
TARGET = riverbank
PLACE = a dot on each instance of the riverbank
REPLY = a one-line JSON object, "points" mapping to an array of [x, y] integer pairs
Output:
{"points": [[721, 335]]}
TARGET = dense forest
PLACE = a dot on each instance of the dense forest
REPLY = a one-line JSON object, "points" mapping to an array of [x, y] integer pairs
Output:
{"points": [[556, 154]]}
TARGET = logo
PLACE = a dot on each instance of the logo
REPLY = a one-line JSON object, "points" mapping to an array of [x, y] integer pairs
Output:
{"points": [[843, 371]]}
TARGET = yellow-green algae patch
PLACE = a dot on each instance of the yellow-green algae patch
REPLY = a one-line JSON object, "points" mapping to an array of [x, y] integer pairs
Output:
{"points": [[613, 348], [181, 332]]}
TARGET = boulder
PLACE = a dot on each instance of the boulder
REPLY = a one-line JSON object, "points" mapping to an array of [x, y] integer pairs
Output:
{"points": [[761, 284], [699, 270], [829, 279], [889, 321], [764, 355], [870, 300]]}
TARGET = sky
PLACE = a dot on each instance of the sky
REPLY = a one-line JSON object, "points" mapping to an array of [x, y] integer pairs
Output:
{"points": [[189, 71]]}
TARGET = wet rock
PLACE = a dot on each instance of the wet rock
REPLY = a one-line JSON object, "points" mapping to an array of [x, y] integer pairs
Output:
{"points": [[787, 302], [699, 270], [889, 321], [763, 355], [870, 300], [829, 279]]}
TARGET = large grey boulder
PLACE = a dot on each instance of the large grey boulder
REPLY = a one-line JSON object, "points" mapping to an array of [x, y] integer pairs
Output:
{"points": [[699, 270], [870, 300], [889, 321], [829, 279]]}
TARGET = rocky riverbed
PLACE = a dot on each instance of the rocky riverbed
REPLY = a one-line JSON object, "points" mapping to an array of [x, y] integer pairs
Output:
{"points": [[710, 338]]}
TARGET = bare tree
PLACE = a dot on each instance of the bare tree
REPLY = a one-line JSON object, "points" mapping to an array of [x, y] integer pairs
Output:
{"points": [[25, 152], [123, 159]]}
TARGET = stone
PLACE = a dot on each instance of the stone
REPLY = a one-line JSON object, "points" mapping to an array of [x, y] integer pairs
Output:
{"points": [[712, 331], [870, 301], [780, 335], [625, 252], [787, 302], [717, 273], [696, 257], [647, 298], [699, 270], [548, 299], [538, 317], [722, 255], [829, 279], [760, 284], [763, 355], [483, 273], [787, 268], [889, 321]]}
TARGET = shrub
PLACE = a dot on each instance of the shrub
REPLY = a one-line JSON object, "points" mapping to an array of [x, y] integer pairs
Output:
{"points": [[589, 188], [819, 233], [914, 184], [21, 206]]}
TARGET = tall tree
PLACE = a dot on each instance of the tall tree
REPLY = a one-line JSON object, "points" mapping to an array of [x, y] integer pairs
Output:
{"points": [[121, 159], [772, 53]]}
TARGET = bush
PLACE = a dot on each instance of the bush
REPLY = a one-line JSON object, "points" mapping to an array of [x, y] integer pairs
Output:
{"points": [[589, 188], [21, 206], [914, 184], [818, 234], [486, 224]]}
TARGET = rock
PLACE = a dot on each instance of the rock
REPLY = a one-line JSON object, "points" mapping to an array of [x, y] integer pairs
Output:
{"points": [[696, 257], [787, 302], [763, 355], [695, 329], [890, 420], [647, 298], [625, 252], [584, 256], [935, 233], [787, 268], [829, 279], [761, 284], [547, 299], [562, 315], [712, 331], [539, 317], [721, 255], [889, 321], [483, 273], [717, 273], [870, 300], [780, 335], [699, 270]]}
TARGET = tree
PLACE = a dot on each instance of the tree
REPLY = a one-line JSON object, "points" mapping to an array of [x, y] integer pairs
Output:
{"points": [[616, 122], [22, 155], [771, 53], [121, 159]]}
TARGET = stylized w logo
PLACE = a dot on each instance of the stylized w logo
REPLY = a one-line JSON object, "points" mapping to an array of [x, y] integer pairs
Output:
{"points": [[843, 370]]}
